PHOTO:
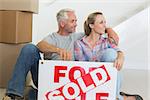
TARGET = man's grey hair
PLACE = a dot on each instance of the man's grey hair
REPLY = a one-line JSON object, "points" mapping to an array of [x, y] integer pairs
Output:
{"points": [[62, 14]]}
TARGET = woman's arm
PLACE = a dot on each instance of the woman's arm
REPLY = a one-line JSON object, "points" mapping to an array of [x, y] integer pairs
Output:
{"points": [[112, 36]]}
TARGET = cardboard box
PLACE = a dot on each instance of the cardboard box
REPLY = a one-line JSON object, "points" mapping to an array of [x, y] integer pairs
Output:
{"points": [[8, 56], [0, 26], [21, 5], [16, 27]]}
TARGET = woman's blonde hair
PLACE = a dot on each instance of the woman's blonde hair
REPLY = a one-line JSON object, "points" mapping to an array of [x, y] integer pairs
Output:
{"points": [[90, 20]]}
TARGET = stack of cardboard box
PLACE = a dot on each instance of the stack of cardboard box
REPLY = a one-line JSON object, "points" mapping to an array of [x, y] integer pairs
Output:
{"points": [[15, 32]]}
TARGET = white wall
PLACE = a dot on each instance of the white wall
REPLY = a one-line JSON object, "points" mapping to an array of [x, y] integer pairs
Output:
{"points": [[134, 40], [115, 12], [148, 51], [149, 38]]}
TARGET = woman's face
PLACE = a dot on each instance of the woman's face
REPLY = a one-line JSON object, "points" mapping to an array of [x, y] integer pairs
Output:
{"points": [[99, 25]]}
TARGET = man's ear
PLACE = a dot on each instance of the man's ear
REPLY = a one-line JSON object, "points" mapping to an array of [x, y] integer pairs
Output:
{"points": [[62, 23]]}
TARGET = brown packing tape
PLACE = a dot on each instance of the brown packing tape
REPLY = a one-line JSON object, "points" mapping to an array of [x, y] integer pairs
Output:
{"points": [[0, 26], [20, 5]]}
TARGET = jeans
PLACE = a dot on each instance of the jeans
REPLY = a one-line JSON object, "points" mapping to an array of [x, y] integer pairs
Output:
{"points": [[27, 61], [110, 55]]}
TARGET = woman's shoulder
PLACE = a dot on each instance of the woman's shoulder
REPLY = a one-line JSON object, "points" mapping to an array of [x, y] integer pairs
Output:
{"points": [[80, 41]]}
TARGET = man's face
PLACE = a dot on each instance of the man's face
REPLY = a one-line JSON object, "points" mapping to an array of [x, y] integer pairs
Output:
{"points": [[71, 23]]}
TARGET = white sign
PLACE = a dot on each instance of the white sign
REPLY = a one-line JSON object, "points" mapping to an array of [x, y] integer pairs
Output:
{"points": [[72, 80]]}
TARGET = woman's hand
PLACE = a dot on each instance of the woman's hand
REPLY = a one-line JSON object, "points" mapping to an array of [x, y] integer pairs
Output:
{"points": [[118, 63]]}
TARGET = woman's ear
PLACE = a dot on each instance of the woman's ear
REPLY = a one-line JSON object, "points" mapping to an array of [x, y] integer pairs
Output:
{"points": [[91, 25]]}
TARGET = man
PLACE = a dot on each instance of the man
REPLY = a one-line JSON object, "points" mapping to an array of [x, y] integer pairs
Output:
{"points": [[57, 46]]}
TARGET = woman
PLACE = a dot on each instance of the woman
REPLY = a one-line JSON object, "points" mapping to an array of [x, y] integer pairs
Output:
{"points": [[94, 46]]}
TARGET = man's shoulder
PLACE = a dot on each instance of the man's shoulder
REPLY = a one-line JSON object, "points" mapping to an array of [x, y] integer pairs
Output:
{"points": [[51, 35], [77, 35]]}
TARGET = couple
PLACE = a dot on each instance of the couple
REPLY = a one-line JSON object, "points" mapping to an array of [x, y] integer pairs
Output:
{"points": [[61, 45]]}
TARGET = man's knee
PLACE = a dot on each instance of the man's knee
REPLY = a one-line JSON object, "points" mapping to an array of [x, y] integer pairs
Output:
{"points": [[109, 55], [30, 49]]}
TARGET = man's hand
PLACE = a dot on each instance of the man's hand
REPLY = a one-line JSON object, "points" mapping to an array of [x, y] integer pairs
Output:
{"points": [[64, 54]]}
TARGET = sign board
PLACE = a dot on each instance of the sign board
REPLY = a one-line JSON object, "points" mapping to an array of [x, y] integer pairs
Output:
{"points": [[73, 80]]}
